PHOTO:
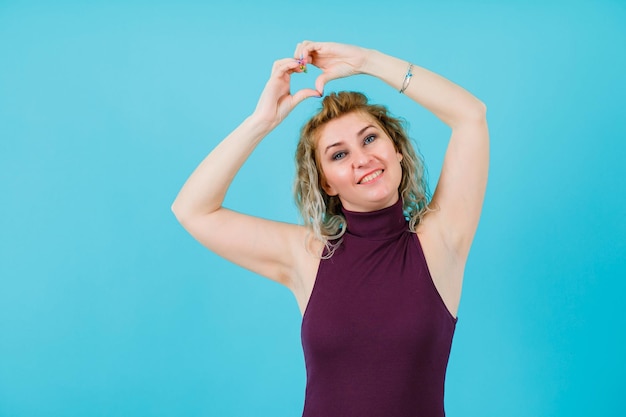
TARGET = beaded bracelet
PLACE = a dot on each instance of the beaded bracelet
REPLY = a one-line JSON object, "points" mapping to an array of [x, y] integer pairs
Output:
{"points": [[407, 79]]}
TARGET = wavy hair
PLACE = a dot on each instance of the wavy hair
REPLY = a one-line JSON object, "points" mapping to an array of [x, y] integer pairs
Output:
{"points": [[321, 212]]}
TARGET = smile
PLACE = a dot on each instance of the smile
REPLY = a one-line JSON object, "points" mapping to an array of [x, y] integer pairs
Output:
{"points": [[370, 177]]}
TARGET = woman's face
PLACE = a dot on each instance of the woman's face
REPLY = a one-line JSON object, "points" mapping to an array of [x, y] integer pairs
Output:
{"points": [[359, 163]]}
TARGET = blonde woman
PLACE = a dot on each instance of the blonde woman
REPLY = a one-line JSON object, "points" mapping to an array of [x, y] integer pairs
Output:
{"points": [[377, 267]]}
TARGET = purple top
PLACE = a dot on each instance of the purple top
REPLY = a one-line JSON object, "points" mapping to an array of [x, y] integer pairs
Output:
{"points": [[376, 334]]}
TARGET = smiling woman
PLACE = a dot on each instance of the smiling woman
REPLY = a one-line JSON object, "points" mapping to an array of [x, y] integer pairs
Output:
{"points": [[376, 267], [364, 168], [326, 132]]}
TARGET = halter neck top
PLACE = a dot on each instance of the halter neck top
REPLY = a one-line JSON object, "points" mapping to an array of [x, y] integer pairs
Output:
{"points": [[376, 334]]}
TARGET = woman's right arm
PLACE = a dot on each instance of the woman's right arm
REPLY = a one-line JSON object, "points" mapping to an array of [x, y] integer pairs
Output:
{"points": [[269, 248]]}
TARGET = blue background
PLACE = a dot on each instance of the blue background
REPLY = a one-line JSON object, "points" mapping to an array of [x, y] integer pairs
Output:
{"points": [[108, 308]]}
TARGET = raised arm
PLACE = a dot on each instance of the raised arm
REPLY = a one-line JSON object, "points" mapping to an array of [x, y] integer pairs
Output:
{"points": [[460, 191], [458, 197], [263, 246]]}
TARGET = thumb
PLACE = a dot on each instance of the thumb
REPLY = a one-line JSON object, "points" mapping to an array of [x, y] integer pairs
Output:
{"points": [[304, 94], [321, 81]]}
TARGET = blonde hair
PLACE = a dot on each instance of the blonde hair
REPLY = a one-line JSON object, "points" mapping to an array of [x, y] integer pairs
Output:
{"points": [[321, 212]]}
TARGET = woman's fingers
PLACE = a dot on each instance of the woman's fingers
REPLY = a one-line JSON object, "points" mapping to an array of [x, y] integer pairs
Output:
{"points": [[300, 52], [303, 94], [335, 60], [276, 100], [306, 49], [285, 66], [321, 81]]}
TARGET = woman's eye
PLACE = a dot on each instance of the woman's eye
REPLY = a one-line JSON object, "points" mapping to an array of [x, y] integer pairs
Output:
{"points": [[339, 155], [369, 139]]}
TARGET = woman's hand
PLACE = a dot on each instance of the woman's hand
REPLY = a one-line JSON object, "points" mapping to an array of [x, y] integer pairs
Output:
{"points": [[276, 100], [336, 60]]}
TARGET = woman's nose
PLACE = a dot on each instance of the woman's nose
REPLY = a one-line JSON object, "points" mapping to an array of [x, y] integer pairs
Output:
{"points": [[361, 158]]}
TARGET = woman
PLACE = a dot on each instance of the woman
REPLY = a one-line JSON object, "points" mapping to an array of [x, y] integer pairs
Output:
{"points": [[379, 294]]}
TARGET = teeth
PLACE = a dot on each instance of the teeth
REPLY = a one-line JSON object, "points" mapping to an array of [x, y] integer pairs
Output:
{"points": [[371, 177]]}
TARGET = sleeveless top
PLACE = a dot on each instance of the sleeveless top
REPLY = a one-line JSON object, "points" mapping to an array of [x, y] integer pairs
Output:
{"points": [[376, 334]]}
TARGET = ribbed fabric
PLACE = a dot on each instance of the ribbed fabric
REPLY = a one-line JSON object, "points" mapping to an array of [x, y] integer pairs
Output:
{"points": [[376, 334]]}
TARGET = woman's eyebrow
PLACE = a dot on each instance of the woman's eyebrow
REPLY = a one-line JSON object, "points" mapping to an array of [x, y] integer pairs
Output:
{"points": [[359, 133], [332, 145]]}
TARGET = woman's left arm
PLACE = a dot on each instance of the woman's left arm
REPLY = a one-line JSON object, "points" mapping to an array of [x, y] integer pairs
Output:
{"points": [[458, 197]]}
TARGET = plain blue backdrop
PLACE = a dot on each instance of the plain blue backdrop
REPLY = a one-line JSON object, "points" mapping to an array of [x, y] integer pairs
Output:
{"points": [[108, 308]]}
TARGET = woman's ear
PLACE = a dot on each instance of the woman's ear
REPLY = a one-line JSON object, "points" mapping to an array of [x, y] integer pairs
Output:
{"points": [[399, 155]]}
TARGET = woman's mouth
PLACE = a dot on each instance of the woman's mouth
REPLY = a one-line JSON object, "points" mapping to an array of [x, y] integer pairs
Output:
{"points": [[370, 177]]}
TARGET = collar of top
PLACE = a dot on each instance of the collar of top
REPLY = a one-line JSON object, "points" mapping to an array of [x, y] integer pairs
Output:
{"points": [[378, 224]]}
